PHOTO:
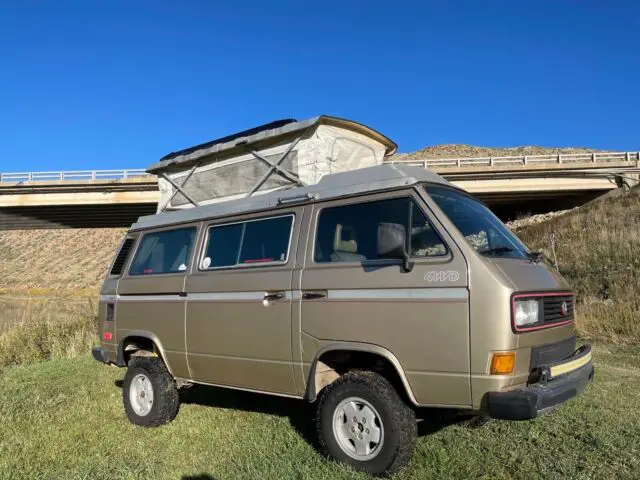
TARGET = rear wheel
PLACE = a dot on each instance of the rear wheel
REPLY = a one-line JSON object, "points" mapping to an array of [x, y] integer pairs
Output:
{"points": [[363, 422], [149, 392]]}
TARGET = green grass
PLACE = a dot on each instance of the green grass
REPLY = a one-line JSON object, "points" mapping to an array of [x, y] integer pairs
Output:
{"points": [[64, 419]]}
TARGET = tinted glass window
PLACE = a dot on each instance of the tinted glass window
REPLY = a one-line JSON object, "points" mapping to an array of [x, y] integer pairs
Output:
{"points": [[266, 240], [349, 233], [253, 242], [164, 252], [224, 245], [479, 226]]}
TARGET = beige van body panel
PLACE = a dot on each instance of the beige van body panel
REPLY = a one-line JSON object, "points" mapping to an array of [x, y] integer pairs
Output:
{"points": [[491, 284], [155, 304], [108, 295], [233, 336], [423, 322]]}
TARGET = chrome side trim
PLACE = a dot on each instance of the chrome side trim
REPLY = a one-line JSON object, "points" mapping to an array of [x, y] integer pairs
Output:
{"points": [[240, 296], [108, 298], [455, 293], [225, 296], [434, 293], [150, 298]]}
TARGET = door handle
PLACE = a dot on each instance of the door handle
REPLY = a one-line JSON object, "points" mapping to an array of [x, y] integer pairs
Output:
{"points": [[313, 295], [271, 296]]}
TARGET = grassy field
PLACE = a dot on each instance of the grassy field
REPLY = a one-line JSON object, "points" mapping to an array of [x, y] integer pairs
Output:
{"points": [[64, 419]]}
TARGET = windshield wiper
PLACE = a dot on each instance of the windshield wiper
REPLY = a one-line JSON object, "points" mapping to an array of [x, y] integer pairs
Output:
{"points": [[497, 250], [535, 257]]}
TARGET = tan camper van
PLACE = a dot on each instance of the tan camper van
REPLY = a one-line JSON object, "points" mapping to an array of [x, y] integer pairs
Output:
{"points": [[370, 293]]}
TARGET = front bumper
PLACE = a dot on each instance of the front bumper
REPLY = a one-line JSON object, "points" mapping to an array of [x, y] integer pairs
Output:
{"points": [[529, 402], [100, 354]]}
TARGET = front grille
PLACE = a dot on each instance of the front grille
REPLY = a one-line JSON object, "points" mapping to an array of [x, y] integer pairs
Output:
{"points": [[553, 308]]}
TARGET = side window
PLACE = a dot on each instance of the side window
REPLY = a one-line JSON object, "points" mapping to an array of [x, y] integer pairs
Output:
{"points": [[246, 243], [425, 241], [164, 252], [349, 233]]}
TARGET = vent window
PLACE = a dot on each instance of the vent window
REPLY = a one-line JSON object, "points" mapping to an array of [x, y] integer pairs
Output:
{"points": [[123, 254]]}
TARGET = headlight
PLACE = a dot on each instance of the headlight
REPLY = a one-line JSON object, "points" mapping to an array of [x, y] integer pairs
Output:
{"points": [[526, 312]]}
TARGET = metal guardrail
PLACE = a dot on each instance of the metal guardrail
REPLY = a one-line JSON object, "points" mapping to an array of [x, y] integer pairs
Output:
{"points": [[569, 158], [599, 157], [73, 175]]}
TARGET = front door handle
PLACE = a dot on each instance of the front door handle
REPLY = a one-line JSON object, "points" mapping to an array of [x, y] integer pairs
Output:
{"points": [[313, 295], [271, 296]]}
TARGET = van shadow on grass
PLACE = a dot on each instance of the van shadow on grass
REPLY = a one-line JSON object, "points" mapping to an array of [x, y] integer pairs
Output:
{"points": [[301, 414]]}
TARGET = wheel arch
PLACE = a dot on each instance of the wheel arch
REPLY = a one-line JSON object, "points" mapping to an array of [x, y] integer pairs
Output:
{"points": [[130, 338], [312, 389]]}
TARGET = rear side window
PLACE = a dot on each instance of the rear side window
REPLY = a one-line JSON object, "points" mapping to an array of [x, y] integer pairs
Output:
{"points": [[349, 233], [253, 242], [164, 252], [122, 256]]}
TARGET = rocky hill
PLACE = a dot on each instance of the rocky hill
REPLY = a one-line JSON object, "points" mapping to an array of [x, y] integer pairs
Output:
{"points": [[460, 150]]}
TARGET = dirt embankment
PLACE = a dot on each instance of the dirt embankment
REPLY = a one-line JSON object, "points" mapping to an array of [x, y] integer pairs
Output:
{"points": [[70, 260]]}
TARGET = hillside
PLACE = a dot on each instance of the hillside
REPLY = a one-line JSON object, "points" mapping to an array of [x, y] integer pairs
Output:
{"points": [[460, 150], [73, 259], [597, 247]]}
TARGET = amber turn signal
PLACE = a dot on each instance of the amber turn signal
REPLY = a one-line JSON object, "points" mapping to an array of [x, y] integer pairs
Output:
{"points": [[503, 363]]}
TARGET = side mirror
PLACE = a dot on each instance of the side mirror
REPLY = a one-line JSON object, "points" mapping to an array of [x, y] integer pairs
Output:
{"points": [[392, 243]]}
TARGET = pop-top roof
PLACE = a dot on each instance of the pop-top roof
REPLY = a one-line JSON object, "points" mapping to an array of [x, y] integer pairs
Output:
{"points": [[382, 177], [269, 131]]}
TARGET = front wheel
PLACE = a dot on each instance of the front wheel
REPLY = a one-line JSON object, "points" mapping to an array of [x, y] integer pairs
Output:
{"points": [[363, 422], [149, 393]]}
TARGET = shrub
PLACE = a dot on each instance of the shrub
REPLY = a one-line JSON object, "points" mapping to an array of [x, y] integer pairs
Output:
{"points": [[45, 332]]}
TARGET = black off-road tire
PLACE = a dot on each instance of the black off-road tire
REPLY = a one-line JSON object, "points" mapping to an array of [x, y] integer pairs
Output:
{"points": [[400, 427], [166, 401]]}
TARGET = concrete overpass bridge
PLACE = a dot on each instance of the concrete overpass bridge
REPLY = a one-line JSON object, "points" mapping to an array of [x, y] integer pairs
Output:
{"points": [[116, 198]]}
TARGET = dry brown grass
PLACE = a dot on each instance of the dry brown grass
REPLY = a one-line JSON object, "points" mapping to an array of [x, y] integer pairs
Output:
{"points": [[34, 330], [598, 250], [460, 151], [42, 261]]}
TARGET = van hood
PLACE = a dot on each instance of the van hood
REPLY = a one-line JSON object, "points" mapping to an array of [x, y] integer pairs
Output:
{"points": [[528, 276]]}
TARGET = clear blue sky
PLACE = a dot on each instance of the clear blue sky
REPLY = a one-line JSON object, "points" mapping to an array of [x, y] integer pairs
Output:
{"points": [[118, 84]]}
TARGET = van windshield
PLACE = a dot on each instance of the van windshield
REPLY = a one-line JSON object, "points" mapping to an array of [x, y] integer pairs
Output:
{"points": [[479, 226]]}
